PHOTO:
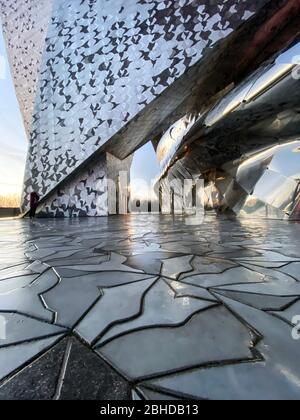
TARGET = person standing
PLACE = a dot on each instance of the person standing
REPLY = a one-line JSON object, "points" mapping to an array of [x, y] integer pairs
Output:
{"points": [[34, 202]]}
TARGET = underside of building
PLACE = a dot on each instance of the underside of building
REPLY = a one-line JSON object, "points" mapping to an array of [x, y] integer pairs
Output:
{"points": [[213, 85]]}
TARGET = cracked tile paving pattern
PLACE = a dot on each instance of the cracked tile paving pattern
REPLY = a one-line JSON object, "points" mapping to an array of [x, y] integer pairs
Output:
{"points": [[111, 308]]}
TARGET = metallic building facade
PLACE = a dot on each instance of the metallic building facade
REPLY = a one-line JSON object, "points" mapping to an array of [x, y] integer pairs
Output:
{"points": [[96, 79], [251, 154]]}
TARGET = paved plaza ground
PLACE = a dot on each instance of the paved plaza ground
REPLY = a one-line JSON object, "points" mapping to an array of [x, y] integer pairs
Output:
{"points": [[149, 307]]}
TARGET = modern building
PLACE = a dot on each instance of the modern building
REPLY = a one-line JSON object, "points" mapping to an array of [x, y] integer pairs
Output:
{"points": [[213, 84]]}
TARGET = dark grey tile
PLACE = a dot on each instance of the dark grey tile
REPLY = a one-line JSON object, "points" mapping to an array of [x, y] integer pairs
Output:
{"points": [[15, 357], [88, 377]]}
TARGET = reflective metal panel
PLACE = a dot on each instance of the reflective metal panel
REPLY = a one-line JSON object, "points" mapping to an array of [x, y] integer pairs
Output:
{"points": [[287, 161], [268, 183], [171, 140], [256, 208], [250, 172], [276, 189], [296, 212]]}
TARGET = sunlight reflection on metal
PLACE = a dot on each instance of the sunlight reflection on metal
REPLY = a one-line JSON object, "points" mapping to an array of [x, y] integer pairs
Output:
{"points": [[268, 182], [256, 85], [172, 139]]}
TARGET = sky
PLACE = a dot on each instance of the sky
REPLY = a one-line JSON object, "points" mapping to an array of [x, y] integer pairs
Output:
{"points": [[144, 170], [145, 165], [13, 141]]}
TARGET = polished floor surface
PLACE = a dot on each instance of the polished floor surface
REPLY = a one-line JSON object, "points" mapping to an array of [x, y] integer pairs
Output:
{"points": [[149, 307]]}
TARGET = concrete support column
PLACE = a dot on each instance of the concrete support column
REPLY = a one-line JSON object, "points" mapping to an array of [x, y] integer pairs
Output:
{"points": [[94, 191]]}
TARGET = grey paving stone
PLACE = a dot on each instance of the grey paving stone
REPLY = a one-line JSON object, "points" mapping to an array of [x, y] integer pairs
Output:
{"points": [[263, 302], [160, 307], [27, 299], [13, 283], [241, 254], [68, 272], [266, 264], [52, 254], [246, 381], [15, 271], [290, 313], [293, 269], [205, 265], [278, 348], [19, 328], [128, 248], [89, 243], [115, 263], [39, 254], [269, 257], [37, 267], [92, 263], [72, 297], [186, 247], [117, 305], [216, 334], [11, 259], [238, 275], [271, 274], [151, 395], [187, 290], [150, 262], [271, 287], [173, 267]]}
